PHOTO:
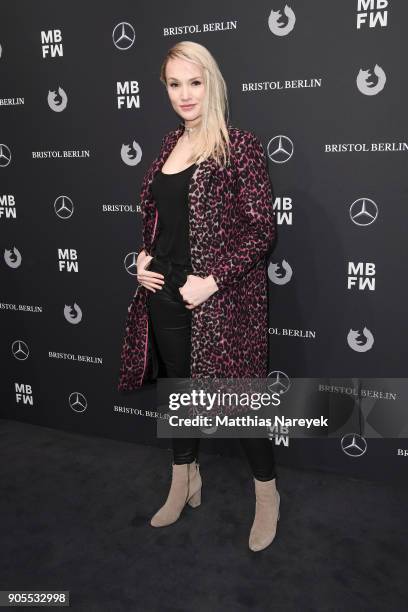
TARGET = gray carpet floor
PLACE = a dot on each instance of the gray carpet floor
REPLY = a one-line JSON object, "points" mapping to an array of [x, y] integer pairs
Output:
{"points": [[75, 516]]}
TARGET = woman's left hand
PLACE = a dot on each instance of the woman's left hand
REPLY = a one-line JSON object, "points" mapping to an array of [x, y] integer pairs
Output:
{"points": [[197, 290]]}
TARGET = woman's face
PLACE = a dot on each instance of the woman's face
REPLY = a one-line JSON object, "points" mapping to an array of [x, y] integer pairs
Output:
{"points": [[185, 86]]}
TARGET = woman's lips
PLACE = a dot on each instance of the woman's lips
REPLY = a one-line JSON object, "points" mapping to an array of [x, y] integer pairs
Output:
{"points": [[187, 106]]}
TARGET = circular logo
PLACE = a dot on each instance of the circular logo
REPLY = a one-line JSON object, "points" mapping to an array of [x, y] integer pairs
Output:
{"points": [[20, 350], [366, 85], [363, 211], [278, 28], [5, 156], [64, 207], [57, 99], [131, 155], [353, 445], [280, 382], [130, 263], [123, 36], [360, 341], [77, 401], [12, 257], [280, 273], [73, 313], [280, 149]]}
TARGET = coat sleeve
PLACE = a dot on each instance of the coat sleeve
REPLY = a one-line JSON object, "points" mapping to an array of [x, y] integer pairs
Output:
{"points": [[256, 225]]}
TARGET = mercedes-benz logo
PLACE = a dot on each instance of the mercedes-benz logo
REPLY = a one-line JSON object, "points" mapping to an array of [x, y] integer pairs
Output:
{"points": [[363, 211], [353, 445], [77, 401], [280, 149], [5, 155], [19, 350], [280, 29], [280, 382], [130, 263], [64, 207], [123, 36]]}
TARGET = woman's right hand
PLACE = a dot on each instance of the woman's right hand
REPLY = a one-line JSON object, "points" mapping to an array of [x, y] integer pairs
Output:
{"points": [[150, 280]]}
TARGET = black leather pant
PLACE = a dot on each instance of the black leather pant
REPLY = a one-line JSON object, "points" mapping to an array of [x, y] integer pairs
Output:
{"points": [[171, 325]]}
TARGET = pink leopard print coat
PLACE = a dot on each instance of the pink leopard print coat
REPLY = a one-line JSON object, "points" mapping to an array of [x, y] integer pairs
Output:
{"points": [[232, 229]]}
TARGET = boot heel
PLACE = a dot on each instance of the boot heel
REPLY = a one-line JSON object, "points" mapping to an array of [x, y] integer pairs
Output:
{"points": [[195, 500]]}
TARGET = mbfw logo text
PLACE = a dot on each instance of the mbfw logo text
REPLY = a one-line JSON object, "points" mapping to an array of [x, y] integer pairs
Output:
{"points": [[68, 260], [51, 43]]}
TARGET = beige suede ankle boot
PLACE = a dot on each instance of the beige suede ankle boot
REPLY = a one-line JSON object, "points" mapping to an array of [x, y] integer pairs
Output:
{"points": [[266, 515], [185, 488]]}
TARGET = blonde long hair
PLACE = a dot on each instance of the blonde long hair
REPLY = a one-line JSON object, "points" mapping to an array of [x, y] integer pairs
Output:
{"points": [[212, 138]]}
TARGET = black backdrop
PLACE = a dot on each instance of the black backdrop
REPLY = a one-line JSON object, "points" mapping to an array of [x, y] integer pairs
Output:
{"points": [[344, 135]]}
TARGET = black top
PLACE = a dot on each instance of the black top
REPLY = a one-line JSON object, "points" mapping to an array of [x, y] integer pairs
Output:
{"points": [[170, 192]]}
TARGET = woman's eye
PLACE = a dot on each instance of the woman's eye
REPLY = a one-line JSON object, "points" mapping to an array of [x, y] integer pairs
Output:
{"points": [[194, 83]]}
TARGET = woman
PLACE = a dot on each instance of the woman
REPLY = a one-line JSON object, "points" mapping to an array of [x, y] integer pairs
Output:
{"points": [[201, 307]]}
